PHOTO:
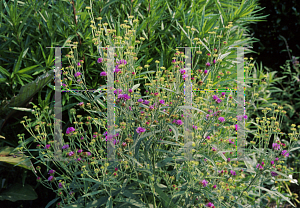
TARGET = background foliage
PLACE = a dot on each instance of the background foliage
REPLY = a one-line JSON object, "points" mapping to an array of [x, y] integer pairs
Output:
{"points": [[28, 27]]}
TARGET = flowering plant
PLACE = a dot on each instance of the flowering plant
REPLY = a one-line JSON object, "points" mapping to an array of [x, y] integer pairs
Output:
{"points": [[151, 169]]}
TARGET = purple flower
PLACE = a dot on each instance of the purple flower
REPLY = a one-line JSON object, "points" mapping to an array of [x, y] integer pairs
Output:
{"points": [[77, 74], [66, 146], [115, 142], [245, 116], [214, 186], [219, 100], [182, 71], [100, 60], [179, 122], [274, 174], [207, 64], [79, 159], [228, 159], [204, 183], [237, 127], [221, 119], [275, 146], [272, 162], [223, 94], [71, 153], [285, 153], [232, 172], [239, 118], [130, 90], [209, 204], [162, 102], [89, 154], [51, 171], [126, 97], [60, 185], [47, 146], [79, 151], [151, 107], [214, 61], [215, 97], [117, 70], [140, 100], [195, 127], [122, 61], [78, 64], [205, 71], [146, 102], [69, 130], [139, 130], [51, 178], [103, 73]]}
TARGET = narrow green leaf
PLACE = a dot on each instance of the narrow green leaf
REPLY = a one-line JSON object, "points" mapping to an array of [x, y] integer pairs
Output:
{"points": [[4, 71]]}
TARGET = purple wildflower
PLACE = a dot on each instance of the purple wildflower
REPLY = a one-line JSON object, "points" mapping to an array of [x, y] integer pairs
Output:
{"points": [[139, 130], [275, 146], [60, 185], [232, 172], [162, 102], [179, 122], [69, 130], [146, 102], [71, 153], [51, 171], [221, 119], [100, 60], [51, 178], [77, 74], [274, 174], [204, 183], [207, 64], [47, 146], [285, 153], [103, 73], [140, 100], [66, 146], [210, 204]]}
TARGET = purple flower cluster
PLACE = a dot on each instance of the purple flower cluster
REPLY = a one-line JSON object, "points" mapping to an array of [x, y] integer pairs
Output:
{"points": [[70, 130], [204, 183], [140, 130], [221, 119]]}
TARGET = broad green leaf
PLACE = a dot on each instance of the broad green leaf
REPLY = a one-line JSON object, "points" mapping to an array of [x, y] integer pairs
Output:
{"points": [[26, 93], [18, 159], [17, 192]]}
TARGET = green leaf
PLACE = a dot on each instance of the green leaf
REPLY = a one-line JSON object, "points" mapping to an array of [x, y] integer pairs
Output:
{"points": [[51, 202], [275, 193], [222, 13], [4, 71], [135, 86], [27, 69], [17, 192], [109, 202], [26, 93], [164, 198], [19, 159]]}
